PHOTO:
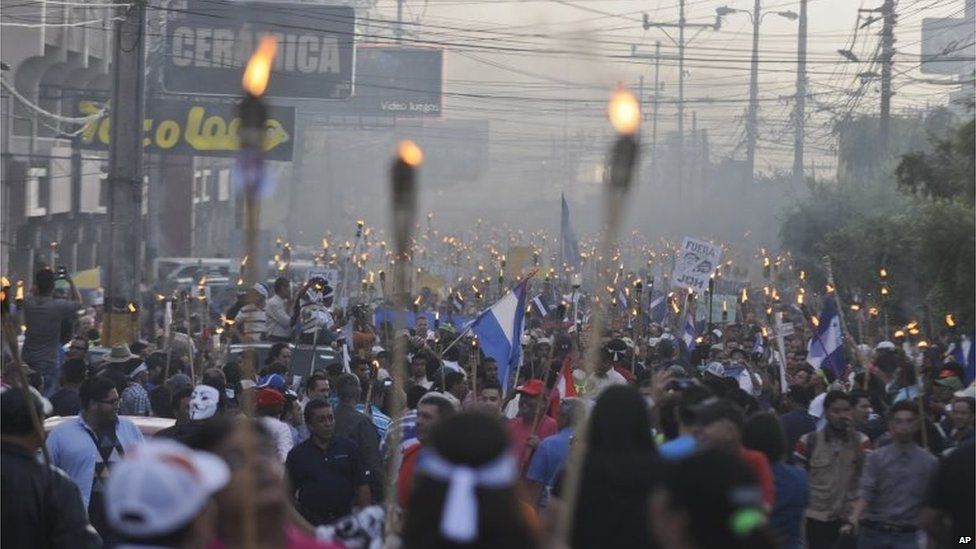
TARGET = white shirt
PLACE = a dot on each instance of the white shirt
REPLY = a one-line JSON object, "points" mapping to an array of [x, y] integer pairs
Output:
{"points": [[595, 384], [279, 321], [281, 434]]}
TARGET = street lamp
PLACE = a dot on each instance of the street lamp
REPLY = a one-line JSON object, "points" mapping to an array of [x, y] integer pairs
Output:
{"points": [[756, 16]]}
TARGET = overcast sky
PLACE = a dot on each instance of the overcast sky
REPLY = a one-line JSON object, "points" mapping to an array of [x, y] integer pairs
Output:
{"points": [[530, 66]]}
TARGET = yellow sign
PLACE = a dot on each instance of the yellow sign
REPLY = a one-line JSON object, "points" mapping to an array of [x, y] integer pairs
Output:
{"points": [[181, 127]]}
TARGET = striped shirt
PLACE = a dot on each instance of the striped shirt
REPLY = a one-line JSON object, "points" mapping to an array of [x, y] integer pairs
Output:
{"points": [[252, 323]]}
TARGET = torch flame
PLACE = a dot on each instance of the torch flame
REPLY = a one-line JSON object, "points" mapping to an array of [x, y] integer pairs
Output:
{"points": [[624, 111], [410, 153], [258, 70], [950, 321]]}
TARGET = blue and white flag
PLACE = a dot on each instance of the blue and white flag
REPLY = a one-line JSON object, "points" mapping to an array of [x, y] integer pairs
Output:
{"points": [[658, 307], [758, 346], [540, 305], [689, 333], [568, 245], [825, 350], [499, 331], [963, 352]]}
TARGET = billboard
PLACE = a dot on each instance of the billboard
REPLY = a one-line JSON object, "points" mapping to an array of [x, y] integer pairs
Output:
{"points": [[208, 43], [398, 81], [947, 45], [193, 128]]}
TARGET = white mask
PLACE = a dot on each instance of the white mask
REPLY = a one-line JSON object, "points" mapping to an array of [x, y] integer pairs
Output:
{"points": [[203, 402]]}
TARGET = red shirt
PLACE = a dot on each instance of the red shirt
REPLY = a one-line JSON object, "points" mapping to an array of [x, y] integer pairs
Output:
{"points": [[405, 477], [519, 431], [764, 474]]}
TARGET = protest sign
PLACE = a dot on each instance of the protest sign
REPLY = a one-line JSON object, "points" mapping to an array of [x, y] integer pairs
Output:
{"points": [[697, 261]]}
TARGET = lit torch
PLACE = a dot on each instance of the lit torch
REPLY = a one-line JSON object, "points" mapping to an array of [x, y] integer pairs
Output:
{"points": [[623, 110]]}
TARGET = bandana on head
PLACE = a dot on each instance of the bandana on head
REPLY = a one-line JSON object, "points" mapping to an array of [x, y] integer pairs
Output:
{"points": [[459, 518]]}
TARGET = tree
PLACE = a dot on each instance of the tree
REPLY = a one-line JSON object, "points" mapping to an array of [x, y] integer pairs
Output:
{"points": [[945, 172]]}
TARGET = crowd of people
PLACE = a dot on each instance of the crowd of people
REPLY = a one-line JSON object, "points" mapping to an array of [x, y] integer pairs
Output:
{"points": [[682, 444]]}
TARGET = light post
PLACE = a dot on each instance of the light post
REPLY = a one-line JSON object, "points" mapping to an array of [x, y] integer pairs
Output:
{"points": [[756, 16]]}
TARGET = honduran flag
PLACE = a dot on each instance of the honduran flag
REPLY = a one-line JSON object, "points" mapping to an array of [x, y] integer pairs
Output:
{"points": [[499, 331], [825, 349], [658, 306], [565, 388], [758, 346]]}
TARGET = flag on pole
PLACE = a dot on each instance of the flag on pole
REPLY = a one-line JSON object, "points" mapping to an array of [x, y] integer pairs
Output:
{"points": [[499, 331], [568, 245], [689, 333], [538, 302], [658, 308], [825, 350], [964, 353], [758, 346]]}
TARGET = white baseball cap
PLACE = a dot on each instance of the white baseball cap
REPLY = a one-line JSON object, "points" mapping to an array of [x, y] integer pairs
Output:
{"points": [[716, 369], [160, 486]]}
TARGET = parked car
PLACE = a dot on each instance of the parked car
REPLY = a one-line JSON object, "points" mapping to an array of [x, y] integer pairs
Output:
{"points": [[148, 425]]}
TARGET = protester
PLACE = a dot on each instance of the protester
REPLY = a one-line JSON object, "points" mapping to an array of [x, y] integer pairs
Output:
{"points": [[86, 447], [160, 496], [135, 398], [686, 441], [709, 500], [431, 410], [278, 360], [490, 398], [834, 458], [317, 387], [184, 426], [327, 471], [277, 312], [764, 433], [40, 505], [602, 377], [949, 515], [257, 490], [550, 457], [531, 424], [893, 485], [270, 405], [464, 492], [250, 322], [719, 422], [963, 421], [418, 371], [355, 425], [619, 470], [65, 400], [43, 318]]}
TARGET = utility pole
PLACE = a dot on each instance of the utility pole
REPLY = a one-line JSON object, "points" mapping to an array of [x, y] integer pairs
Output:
{"points": [[681, 94], [752, 117], [657, 90], [399, 27], [681, 43], [125, 177], [887, 55], [799, 112]]}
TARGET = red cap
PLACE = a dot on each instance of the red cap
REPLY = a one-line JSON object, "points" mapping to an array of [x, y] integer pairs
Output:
{"points": [[532, 387], [269, 398]]}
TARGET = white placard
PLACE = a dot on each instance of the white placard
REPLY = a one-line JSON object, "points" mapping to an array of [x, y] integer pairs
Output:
{"points": [[697, 260], [331, 275]]}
